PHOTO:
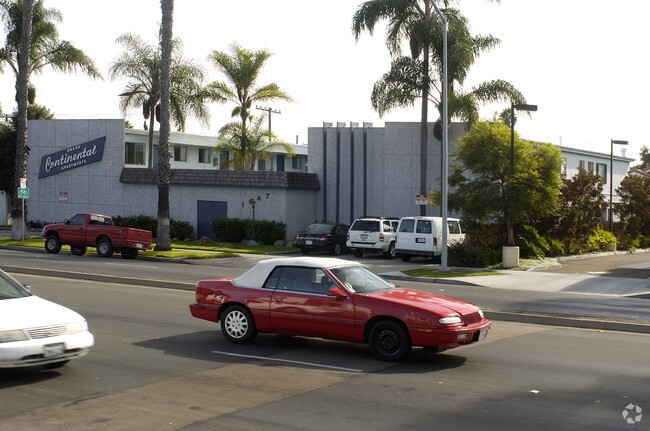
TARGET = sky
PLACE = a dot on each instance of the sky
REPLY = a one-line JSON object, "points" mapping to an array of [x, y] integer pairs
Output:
{"points": [[583, 62]]}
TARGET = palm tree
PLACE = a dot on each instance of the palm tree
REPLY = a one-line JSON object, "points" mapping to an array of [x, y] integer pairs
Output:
{"points": [[241, 68], [163, 237], [17, 231], [416, 23], [46, 48], [259, 142], [140, 64]]}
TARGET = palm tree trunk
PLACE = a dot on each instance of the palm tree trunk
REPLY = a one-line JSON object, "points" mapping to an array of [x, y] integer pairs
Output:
{"points": [[152, 123], [163, 239], [17, 231]]}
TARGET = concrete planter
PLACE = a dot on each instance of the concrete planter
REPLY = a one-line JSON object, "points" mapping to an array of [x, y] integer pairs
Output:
{"points": [[611, 247], [510, 256]]}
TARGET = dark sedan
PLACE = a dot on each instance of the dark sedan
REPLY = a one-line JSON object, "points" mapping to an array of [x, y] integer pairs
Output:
{"points": [[328, 237]]}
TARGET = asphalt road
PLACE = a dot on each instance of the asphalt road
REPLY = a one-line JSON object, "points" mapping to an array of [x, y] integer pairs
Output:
{"points": [[154, 367]]}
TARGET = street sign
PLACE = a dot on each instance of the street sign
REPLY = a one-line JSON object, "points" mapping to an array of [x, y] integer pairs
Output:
{"points": [[421, 199], [23, 193]]}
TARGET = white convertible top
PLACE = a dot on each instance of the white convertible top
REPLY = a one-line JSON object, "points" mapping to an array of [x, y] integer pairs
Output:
{"points": [[257, 275]]}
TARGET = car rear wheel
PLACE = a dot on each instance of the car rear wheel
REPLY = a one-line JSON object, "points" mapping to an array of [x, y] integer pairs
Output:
{"points": [[389, 341], [78, 250], [390, 253], [336, 250], [237, 325], [104, 248], [52, 244]]}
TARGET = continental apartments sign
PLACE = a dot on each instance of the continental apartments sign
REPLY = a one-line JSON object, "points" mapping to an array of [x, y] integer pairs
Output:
{"points": [[72, 157]]}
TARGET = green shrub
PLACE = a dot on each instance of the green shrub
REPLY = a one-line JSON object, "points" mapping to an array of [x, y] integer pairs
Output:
{"points": [[181, 230], [600, 240], [237, 230], [628, 242], [556, 247], [532, 244], [471, 257]]}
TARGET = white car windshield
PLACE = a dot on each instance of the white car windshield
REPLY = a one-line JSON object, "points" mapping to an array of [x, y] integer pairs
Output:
{"points": [[9, 288], [358, 279]]}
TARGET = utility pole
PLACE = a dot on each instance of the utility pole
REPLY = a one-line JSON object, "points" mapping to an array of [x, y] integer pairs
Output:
{"points": [[270, 111]]}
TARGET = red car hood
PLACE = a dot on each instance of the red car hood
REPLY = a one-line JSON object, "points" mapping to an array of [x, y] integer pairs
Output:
{"points": [[438, 304]]}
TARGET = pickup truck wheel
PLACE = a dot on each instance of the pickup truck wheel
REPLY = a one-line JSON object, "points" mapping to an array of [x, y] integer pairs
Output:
{"points": [[52, 244], [237, 325], [104, 248], [389, 341], [406, 257], [129, 253], [78, 250]]}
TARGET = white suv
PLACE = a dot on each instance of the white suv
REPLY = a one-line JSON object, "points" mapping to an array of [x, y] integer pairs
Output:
{"points": [[373, 234]]}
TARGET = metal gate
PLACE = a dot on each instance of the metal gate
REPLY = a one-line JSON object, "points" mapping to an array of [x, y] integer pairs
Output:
{"points": [[206, 211]]}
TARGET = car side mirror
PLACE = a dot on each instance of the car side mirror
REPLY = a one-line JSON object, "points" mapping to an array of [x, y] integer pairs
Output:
{"points": [[66, 221], [28, 287], [336, 291]]}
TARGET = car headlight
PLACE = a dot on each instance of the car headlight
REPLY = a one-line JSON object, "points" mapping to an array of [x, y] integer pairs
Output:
{"points": [[480, 313], [73, 328], [9, 336], [450, 320]]}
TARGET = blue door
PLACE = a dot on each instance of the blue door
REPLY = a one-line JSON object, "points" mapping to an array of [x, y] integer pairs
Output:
{"points": [[206, 211], [280, 162]]}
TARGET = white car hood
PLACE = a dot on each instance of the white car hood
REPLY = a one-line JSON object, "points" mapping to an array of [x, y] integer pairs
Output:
{"points": [[32, 311]]}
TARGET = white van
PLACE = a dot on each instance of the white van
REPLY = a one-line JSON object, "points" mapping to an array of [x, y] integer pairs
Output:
{"points": [[422, 236]]}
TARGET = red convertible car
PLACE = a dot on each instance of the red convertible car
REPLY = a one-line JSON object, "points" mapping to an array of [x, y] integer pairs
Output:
{"points": [[336, 299]]}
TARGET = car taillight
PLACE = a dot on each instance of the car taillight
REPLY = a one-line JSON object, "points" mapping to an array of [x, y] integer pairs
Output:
{"points": [[323, 238], [381, 237], [435, 241], [297, 237]]}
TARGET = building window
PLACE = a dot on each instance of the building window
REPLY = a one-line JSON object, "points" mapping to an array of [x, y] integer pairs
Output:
{"points": [[296, 162], [180, 154], [225, 160], [205, 155], [261, 165], [563, 166], [590, 167], [601, 170], [134, 153], [581, 164]]}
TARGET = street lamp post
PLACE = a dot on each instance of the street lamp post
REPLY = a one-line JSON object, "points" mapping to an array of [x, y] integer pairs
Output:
{"points": [[519, 107], [611, 178]]}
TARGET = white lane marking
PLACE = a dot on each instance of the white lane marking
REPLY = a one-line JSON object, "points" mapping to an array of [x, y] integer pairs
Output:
{"points": [[131, 265], [266, 358]]}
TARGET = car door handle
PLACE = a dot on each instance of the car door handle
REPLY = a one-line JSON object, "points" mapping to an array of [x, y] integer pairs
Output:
{"points": [[277, 300]]}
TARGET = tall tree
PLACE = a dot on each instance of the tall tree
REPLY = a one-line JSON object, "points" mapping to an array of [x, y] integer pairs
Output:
{"points": [[581, 206], [634, 204], [241, 68], [140, 65], [482, 186], [419, 76], [259, 142], [46, 49], [163, 238], [18, 231]]}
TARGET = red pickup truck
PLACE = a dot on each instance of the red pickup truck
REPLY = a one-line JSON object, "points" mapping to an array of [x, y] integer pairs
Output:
{"points": [[95, 230]]}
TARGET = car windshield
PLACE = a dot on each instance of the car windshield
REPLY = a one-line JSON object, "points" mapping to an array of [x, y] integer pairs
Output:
{"points": [[360, 280], [318, 228], [9, 288]]}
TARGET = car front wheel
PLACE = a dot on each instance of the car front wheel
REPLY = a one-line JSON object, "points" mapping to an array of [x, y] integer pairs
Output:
{"points": [[389, 341], [237, 325]]}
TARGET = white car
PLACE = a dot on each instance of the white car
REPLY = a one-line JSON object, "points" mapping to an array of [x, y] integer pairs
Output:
{"points": [[34, 331]]}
